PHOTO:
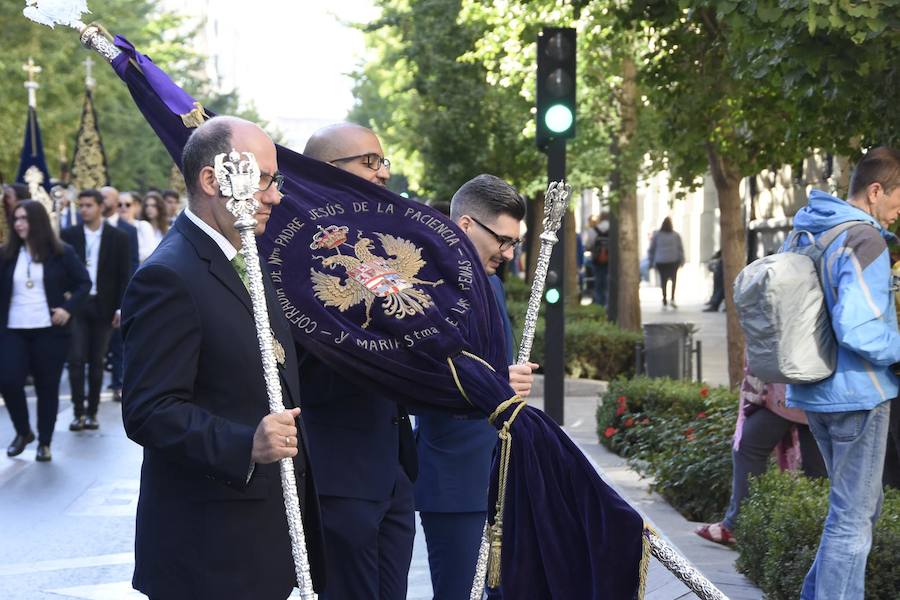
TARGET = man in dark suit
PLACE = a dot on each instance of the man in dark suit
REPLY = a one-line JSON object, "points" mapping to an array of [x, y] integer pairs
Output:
{"points": [[104, 251], [211, 518], [360, 440], [455, 454], [111, 214]]}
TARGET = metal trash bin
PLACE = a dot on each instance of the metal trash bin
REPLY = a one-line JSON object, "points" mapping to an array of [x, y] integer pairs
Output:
{"points": [[668, 350]]}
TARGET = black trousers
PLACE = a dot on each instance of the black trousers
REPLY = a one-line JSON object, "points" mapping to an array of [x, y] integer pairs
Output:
{"points": [[90, 339], [667, 272], [42, 353], [369, 544]]}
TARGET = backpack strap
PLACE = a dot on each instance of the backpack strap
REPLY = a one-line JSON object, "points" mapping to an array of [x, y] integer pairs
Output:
{"points": [[830, 235], [822, 244]]}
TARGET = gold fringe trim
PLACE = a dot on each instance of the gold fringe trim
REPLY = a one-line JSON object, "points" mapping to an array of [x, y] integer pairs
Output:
{"points": [[195, 118], [645, 561], [496, 530], [494, 557]]}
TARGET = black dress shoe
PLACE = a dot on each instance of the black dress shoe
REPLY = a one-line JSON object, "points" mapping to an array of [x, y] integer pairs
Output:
{"points": [[43, 453], [77, 424], [91, 422], [18, 444]]}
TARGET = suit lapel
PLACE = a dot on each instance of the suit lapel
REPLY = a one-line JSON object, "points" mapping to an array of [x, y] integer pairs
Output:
{"points": [[79, 244], [219, 266], [222, 270], [105, 252]]}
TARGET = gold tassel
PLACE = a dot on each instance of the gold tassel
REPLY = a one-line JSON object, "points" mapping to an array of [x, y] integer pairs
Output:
{"points": [[645, 562], [195, 118], [494, 556]]}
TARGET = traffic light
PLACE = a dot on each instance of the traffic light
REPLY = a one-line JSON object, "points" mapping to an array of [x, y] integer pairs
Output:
{"points": [[555, 85], [552, 292]]}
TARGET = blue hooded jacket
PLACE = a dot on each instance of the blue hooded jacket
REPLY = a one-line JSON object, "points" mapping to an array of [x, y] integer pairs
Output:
{"points": [[860, 300]]}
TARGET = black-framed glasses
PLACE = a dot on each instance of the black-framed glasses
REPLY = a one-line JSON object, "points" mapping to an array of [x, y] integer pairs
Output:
{"points": [[370, 159], [266, 181], [505, 242]]}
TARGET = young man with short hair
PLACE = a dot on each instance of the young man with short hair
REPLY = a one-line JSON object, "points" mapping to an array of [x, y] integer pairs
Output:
{"points": [[105, 252], [455, 454]]}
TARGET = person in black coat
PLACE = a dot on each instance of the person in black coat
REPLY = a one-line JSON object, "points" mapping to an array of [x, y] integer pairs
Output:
{"points": [[361, 439], [211, 518], [112, 202], [42, 283], [104, 250]]}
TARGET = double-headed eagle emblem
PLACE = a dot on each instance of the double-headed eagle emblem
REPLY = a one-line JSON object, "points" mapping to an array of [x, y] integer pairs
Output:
{"points": [[368, 276]]}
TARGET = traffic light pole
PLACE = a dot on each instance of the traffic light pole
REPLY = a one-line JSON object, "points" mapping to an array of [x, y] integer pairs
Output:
{"points": [[554, 318]]}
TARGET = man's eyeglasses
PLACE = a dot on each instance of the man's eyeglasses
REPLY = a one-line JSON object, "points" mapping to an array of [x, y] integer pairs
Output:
{"points": [[370, 159], [505, 242], [124, 204], [266, 181]]}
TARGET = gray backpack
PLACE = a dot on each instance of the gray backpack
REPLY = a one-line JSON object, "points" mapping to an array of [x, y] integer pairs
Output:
{"points": [[781, 307]]}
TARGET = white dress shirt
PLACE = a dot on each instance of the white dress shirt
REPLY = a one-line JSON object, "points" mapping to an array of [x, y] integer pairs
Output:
{"points": [[148, 239], [28, 307], [92, 254], [221, 241]]}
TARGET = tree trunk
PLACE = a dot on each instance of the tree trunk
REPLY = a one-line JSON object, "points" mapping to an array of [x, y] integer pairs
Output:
{"points": [[535, 225], [727, 178], [628, 301], [573, 294]]}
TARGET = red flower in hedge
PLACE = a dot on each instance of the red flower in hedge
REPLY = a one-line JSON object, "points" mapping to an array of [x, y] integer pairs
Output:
{"points": [[704, 392], [621, 400], [646, 421], [629, 422], [610, 431], [701, 415], [689, 434], [620, 410]]}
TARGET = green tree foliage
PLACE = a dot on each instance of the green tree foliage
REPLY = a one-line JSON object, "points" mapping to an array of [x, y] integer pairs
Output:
{"points": [[835, 60], [136, 158], [742, 85], [442, 119]]}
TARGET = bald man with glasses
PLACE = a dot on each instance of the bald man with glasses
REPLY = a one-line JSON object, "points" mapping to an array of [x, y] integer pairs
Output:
{"points": [[360, 441]]}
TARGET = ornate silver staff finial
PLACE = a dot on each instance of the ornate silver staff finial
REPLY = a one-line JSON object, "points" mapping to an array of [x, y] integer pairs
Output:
{"points": [[239, 181], [555, 204], [238, 178]]}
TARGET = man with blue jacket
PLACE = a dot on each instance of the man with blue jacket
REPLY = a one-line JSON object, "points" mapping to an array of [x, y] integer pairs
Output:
{"points": [[849, 411], [455, 455]]}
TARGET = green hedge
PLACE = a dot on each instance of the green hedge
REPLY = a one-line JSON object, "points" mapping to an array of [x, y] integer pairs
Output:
{"points": [[679, 434], [779, 528], [595, 348]]}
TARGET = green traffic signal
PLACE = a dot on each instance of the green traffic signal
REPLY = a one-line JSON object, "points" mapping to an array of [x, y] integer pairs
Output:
{"points": [[559, 118], [552, 295]]}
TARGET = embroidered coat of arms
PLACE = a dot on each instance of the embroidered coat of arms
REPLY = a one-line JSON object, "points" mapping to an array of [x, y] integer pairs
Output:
{"points": [[369, 277]]}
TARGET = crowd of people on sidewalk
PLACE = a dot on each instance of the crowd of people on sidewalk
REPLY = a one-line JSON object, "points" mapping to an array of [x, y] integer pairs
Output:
{"points": [[62, 280]]}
